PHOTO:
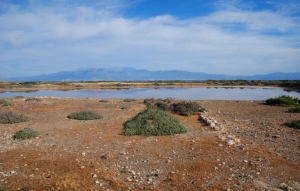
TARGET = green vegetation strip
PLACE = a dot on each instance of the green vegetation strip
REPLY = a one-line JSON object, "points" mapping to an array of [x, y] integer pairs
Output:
{"points": [[11, 117], [4, 102], [295, 109], [294, 124], [26, 133], [283, 101], [103, 100], [153, 121], [85, 115], [129, 100]]}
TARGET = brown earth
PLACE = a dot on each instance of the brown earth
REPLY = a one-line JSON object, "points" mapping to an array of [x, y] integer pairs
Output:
{"points": [[95, 155]]}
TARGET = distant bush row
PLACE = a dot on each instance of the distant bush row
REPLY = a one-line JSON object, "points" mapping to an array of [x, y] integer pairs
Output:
{"points": [[184, 108]]}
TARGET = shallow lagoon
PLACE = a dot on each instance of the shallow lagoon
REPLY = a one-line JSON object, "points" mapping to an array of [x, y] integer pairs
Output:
{"points": [[199, 93]]}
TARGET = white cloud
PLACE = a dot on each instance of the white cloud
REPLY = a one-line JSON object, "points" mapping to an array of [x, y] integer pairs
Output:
{"points": [[52, 39]]}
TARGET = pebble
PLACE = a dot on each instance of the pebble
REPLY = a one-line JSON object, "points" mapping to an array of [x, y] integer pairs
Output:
{"points": [[230, 142]]}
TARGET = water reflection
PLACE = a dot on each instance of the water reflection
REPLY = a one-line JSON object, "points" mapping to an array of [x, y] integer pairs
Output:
{"points": [[202, 93]]}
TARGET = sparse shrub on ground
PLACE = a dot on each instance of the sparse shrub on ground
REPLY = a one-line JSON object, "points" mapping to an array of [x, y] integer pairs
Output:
{"points": [[294, 109], [85, 115], [129, 100], [19, 97], [4, 102], [26, 133], [32, 99], [149, 101], [283, 100], [294, 124], [153, 121], [124, 107], [162, 106], [103, 100], [11, 117], [185, 107]]}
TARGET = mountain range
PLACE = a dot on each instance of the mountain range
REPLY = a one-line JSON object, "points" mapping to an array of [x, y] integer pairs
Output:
{"points": [[131, 74]]}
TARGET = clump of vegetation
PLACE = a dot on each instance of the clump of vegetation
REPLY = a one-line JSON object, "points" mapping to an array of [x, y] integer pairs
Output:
{"points": [[26, 133], [295, 109], [283, 101], [129, 100], [162, 105], [103, 100], [185, 108], [4, 102], [19, 97], [153, 121], [32, 99], [85, 115], [294, 124], [11, 117]]}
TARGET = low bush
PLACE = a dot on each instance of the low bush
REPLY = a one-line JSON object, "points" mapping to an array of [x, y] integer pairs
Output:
{"points": [[19, 97], [162, 106], [153, 121], [4, 102], [32, 99], [26, 133], [124, 107], [185, 108], [11, 117], [283, 101], [129, 100], [85, 115], [103, 100], [294, 124], [295, 109]]}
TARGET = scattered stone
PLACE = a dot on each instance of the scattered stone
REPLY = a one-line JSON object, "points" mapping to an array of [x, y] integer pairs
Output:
{"points": [[230, 142]]}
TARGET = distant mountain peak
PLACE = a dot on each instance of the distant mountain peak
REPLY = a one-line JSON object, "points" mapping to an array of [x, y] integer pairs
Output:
{"points": [[132, 74]]}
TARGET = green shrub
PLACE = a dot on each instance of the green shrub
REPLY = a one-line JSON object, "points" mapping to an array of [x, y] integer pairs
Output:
{"points": [[124, 107], [11, 117], [19, 97], [26, 133], [103, 100], [294, 124], [295, 109], [4, 102], [129, 100], [149, 101], [85, 115], [283, 101], [185, 108], [153, 121], [162, 106], [32, 99]]}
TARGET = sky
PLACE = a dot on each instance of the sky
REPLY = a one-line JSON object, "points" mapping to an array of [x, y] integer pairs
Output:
{"points": [[233, 37]]}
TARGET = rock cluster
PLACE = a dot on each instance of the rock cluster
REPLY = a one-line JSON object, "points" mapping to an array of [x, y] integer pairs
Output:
{"points": [[214, 124]]}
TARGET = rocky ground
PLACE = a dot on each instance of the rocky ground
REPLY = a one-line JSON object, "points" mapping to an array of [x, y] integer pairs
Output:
{"points": [[253, 150]]}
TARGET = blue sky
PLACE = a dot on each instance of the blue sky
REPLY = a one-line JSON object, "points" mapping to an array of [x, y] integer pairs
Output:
{"points": [[236, 37]]}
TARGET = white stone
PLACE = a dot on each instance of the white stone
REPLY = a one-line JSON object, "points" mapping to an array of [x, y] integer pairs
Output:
{"points": [[230, 142]]}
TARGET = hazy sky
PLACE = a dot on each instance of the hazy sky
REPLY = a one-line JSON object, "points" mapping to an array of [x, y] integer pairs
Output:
{"points": [[244, 37]]}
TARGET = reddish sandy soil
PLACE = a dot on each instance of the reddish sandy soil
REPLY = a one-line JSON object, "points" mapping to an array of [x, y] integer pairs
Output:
{"points": [[95, 155]]}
